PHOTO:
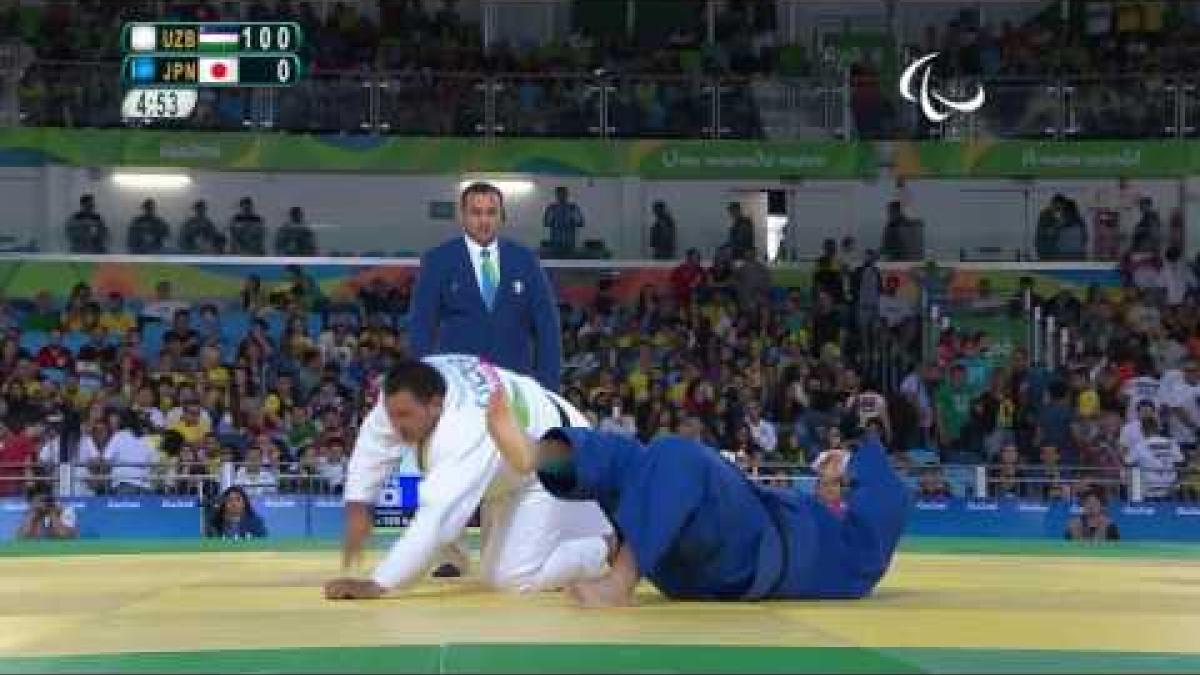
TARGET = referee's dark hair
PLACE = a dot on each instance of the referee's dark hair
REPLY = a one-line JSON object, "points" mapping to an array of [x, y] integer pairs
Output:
{"points": [[416, 377], [480, 188]]}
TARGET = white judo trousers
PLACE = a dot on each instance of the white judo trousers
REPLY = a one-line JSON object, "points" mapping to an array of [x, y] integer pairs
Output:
{"points": [[531, 541]]}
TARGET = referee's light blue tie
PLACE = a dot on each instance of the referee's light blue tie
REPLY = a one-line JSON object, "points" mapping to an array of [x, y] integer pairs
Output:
{"points": [[491, 278]]}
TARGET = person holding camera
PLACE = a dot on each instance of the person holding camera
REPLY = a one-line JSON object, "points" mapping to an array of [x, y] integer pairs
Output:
{"points": [[46, 518]]}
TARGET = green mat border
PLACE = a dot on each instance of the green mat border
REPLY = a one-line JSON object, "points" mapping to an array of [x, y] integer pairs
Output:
{"points": [[926, 545], [607, 658]]}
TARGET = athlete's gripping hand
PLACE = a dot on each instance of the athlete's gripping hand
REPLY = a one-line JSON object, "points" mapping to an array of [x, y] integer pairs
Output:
{"points": [[510, 439]]}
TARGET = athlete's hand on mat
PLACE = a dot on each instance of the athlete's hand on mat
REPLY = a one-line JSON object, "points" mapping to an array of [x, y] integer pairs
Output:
{"points": [[353, 589]]}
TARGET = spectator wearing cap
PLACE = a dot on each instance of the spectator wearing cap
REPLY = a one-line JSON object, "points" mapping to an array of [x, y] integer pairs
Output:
{"points": [[199, 235], [86, 231], [148, 232]]}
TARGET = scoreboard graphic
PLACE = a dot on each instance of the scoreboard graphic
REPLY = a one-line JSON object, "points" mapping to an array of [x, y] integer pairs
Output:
{"points": [[166, 63]]}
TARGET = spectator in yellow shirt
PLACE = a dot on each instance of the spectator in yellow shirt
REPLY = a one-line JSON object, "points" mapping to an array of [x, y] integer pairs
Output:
{"points": [[116, 318], [210, 364], [192, 425]]}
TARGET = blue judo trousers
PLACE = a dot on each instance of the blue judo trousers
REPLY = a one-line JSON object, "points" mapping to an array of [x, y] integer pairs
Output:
{"points": [[700, 530]]}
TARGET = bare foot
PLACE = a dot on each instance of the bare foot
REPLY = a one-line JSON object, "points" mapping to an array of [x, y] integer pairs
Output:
{"points": [[597, 593]]}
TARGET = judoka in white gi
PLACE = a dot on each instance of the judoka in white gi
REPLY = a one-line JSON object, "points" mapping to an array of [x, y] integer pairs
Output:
{"points": [[436, 407]]}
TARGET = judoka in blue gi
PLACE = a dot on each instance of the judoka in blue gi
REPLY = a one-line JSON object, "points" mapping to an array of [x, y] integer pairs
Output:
{"points": [[693, 524]]}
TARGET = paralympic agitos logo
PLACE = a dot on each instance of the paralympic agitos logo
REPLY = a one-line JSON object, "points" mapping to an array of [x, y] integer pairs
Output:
{"points": [[927, 97]]}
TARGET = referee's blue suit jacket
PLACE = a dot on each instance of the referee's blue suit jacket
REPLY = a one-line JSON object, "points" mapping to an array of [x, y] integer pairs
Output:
{"points": [[520, 333]]}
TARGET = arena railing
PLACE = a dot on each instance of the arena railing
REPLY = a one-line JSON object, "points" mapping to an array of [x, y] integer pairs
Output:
{"points": [[1028, 482], [17, 478], [168, 478], [977, 481], [834, 106]]}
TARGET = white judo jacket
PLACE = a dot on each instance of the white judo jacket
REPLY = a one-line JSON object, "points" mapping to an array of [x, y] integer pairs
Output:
{"points": [[462, 469]]}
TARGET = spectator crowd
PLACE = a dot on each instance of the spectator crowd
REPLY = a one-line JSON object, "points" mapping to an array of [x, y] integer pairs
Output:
{"points": [[155, 395]]}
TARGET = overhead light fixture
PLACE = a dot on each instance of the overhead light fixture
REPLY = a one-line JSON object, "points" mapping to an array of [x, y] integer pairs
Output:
{"points": [[509, 186], [152, 181]]}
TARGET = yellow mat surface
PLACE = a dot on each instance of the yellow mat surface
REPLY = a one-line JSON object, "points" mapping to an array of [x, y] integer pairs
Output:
{"points": [[106, 604]]}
